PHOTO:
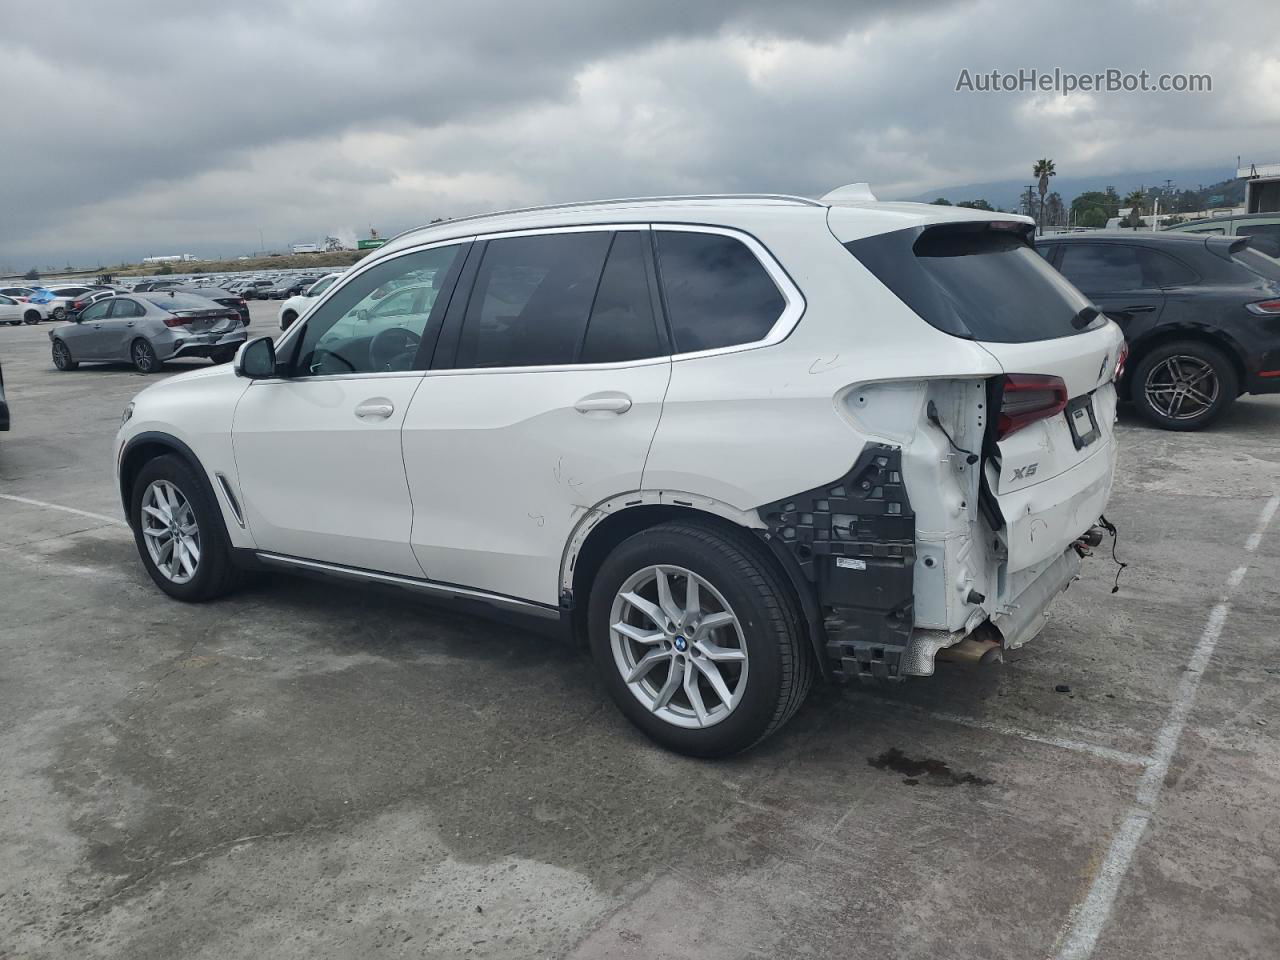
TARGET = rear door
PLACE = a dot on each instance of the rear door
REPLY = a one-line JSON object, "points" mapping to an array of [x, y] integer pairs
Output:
{"points": [[10, 310], [1123, 280], [543, 402]]}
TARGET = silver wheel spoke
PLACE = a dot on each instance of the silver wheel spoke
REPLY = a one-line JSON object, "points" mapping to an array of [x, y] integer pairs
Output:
{"points": [[720, 654], [155, 512], [665, 600], [648, 609], [712, 621], [193, 549], [695, 697], [152, 532], [669, 688], [712, 673], [647, 663], [692, 599], [637, 634]]}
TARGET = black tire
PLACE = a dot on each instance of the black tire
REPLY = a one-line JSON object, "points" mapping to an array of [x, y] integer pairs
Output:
{"points": [[15, 323], [62, 356], [215, 575], [286, 321], [222, 356], [1153, 387], [144, 356], [31, 318], [781, 666]]}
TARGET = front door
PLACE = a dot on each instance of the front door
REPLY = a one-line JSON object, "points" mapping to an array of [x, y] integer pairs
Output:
{"points": [[121, 327], [86, 337], [318, 450], [542, 402], [1123, 280]]}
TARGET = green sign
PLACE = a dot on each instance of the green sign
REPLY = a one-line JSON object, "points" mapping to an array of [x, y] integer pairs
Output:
{"points": [[370, 244]]}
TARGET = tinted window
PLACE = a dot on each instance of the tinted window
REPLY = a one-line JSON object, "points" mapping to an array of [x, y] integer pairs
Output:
{"points": [[1266, 237], [95, 312], [1160, 269], [718, 294], [622, 325], [531, 300], [321, 286], [1102, 267], [376, 322], [976, 282], [6, 301], [124, 308]]}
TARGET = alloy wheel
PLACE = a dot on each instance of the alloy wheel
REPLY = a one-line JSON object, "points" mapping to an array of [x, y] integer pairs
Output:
{"points": [[170, 531], [685, 660], [61, 355], [143, 357], [1182, 387]]}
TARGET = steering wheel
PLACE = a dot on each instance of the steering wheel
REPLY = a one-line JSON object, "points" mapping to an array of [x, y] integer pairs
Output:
{"points": [[393, 349]]}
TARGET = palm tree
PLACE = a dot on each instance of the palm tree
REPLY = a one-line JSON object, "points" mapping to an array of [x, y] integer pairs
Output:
{"points": [[1135, 200], [1042, 171]]}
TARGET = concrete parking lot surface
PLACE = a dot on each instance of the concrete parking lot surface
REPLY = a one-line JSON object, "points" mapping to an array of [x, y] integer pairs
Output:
{"points": [[310, 770]]}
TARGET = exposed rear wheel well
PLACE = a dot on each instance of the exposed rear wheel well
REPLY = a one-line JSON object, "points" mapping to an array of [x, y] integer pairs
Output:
{"points": [[617, 527], [1172, 335]]}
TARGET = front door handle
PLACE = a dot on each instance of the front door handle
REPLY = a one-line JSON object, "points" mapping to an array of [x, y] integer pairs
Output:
{"points": [[378, 408], [604, 403], [129, 324]]}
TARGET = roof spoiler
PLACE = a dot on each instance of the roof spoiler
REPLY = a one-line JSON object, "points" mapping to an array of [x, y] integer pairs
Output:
{"points": [[1228, 246], [850, 193]]}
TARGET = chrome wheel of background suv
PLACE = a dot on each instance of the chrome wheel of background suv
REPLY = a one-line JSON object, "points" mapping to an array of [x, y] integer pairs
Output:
{"points": [[686, 659], [170, 531]]}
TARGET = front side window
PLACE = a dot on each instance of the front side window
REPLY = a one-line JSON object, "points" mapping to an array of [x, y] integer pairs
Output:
{"points": [[531, 300], [95, 312], [320, 286], [375, 323], [718, 293]]}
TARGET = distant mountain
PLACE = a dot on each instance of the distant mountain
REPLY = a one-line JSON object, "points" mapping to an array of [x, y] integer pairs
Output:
{"points": [[1004, 194]]}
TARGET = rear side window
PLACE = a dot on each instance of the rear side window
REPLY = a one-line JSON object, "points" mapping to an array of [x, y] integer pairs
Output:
{"points": [[622, 325], [532, 299], [1266, 237], [1098, 268], [976, 282], [125, 308], [717, 293]]}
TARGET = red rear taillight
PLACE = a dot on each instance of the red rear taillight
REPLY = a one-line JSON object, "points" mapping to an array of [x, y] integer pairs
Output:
{"points": [[77, 305], [1264, 308], [172, 321], [1028, 397], [1121, 360]]}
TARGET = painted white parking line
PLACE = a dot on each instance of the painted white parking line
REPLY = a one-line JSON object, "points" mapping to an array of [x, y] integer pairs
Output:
{"points": [[57, 506], [1020, 733], [1090, 918]]}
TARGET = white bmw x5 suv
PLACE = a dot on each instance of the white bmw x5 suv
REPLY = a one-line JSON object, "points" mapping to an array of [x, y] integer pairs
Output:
{"points": [[734, 443]]}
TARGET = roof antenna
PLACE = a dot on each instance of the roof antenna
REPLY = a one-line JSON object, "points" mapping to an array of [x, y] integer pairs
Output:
{"points": [[848, 194]]}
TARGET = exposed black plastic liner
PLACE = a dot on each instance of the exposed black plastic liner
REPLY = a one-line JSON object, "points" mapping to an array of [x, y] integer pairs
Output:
{"points": [[855, 541]]}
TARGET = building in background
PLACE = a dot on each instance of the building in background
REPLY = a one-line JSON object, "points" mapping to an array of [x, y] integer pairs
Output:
{"points": [[1262, 187]]}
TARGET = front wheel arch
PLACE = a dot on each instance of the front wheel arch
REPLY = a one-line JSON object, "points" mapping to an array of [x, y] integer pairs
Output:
{"points": [[148, 446]]}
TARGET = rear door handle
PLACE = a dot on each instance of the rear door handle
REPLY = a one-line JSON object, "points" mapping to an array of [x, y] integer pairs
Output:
{"points": [[604, 403], [1140, 308], [378, 408]]}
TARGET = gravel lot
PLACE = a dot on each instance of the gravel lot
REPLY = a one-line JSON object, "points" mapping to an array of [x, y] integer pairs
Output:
{"points": [[311, 770]]}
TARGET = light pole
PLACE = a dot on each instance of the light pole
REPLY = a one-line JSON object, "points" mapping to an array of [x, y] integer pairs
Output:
{"points": [[262, 247]]}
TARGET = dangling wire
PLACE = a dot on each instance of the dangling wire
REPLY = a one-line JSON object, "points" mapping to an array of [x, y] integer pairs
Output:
{"points": [[1115, 537]]}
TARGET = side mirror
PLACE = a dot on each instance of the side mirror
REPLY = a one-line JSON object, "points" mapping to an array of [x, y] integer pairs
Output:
{"points": [[256, 360]]}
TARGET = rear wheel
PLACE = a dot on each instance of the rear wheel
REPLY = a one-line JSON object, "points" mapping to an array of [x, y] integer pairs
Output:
{"points": [[144, 357], [32, 317], [222, 356], [179, 532], [58, 313], [697, 639], [62, 356], [1184, 385]]}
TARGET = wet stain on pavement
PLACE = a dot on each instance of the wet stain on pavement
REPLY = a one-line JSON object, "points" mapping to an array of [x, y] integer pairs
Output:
{"points": [[933, 772]]}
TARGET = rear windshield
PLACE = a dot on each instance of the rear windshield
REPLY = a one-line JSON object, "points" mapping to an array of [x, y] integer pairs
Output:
{"points": [[180, 301], [1259, 263], [977, 282]]}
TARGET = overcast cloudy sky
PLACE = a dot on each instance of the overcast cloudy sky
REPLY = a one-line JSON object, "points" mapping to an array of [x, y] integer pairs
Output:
{"points": [[135, 128]]}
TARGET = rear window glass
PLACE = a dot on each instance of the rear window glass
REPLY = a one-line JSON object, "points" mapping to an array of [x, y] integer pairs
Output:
{"points": [[180, 301], [976, 283], [1259, 263]]}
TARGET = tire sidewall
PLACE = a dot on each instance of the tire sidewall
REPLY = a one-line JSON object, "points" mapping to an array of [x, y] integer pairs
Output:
{"points": [[754, 713], [208, 521], [61, 355], [1228, 384], [133, 356]]}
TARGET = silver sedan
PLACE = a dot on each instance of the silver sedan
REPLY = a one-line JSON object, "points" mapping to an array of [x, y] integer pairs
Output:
{"points": [[146, 329]]}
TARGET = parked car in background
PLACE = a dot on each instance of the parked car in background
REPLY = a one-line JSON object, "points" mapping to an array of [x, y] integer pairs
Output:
{"points": [[256, 289], [1201, 314], [146, 330], [15, 312], [78, 305], [280, 289], [302, 283], [19, 293], [220, 296], [146, 286], [57, 300], [1264, 228], [663, 425], [297, 305]]}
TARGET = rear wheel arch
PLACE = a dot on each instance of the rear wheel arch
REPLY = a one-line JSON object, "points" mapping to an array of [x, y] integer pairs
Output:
{"points": [[594, 541], [1165, 335]]}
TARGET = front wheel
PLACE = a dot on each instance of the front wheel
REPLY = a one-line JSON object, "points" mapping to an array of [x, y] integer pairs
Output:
{"points": [[222, 356], [179, 532], [698, 639], [1184, 385], [59, 313], [144, 357]]}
